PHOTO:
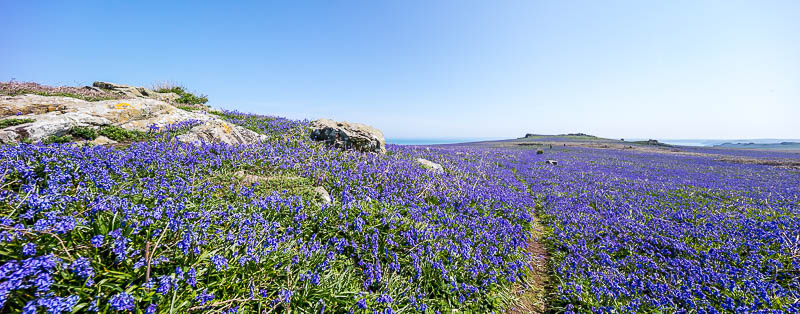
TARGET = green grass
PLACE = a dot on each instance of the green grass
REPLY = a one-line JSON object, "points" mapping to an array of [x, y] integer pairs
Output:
{"points": [[57, 139], [14, 121], [121, 135], [83, 132], [187, 108]]}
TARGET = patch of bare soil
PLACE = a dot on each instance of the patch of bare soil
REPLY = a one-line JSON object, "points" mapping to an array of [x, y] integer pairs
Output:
{"points": [[531, 292]]}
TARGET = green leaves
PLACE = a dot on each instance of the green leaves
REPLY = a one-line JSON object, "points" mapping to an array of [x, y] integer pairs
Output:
{"points": [[13, 121], [121, 135]]}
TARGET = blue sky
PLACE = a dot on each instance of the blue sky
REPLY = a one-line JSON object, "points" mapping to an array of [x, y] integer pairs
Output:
{"points": [[440, 69]]}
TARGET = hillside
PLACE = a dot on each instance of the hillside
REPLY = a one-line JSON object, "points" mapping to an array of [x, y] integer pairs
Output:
{"points": [[164, 224], [286, 220]]}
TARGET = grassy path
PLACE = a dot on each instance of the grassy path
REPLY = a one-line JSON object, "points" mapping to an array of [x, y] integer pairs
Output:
{"points": [[532, 291]]}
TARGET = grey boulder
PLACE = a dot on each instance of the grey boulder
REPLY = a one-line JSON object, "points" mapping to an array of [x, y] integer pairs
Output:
{"points": [[348, 135]]}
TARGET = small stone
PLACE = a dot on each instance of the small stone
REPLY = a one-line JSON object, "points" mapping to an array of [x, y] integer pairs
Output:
{"points": [[322, 195], [102, 140], [437, 168]]}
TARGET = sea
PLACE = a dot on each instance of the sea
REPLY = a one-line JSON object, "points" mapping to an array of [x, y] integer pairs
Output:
{"points": [[437, 141], [712, 142], [681, 142]]}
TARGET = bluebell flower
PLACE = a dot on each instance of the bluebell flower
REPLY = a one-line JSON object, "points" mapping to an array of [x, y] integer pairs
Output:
{"points": [[29, 249], [121, 302], [204, 297], [97, 241], [192, 280], [220, 263], [151, 309], [285, 295]]}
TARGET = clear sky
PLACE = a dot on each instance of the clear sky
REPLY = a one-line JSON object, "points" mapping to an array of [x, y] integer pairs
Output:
{"points": [[436, 69]]}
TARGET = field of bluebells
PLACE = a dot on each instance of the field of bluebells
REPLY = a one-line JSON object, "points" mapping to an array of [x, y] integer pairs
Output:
{"points": [[644, 232], [160, 226]]}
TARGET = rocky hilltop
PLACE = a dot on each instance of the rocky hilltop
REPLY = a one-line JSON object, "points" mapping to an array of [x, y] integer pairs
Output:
{"points": [[35, 113]]}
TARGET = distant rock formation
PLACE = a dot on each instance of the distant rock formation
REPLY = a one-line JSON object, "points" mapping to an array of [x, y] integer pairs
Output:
{"points": [[348, 135], [134, 92], [578, 134]]}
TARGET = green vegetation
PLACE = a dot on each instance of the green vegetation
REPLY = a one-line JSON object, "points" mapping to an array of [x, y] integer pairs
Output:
{"points": [[186, 97], [57, 139], [187, 108], [121, 135], [13, 121], [83, 132]]}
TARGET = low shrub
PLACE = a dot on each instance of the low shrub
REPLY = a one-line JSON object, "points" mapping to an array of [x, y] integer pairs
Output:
{"points": [[57, 139], [13, 121], [121, 135], [83, 132]]}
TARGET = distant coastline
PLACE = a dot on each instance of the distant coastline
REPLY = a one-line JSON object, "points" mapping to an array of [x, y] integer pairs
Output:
{"points": [[718, 142], [761, 143]]}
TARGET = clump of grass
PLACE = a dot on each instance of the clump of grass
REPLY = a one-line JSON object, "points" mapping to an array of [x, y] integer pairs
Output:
{"points": [[121, 135], [83, 132], [539, 152], [58, 139], [185, 96], [187, 108], [14, 121]]}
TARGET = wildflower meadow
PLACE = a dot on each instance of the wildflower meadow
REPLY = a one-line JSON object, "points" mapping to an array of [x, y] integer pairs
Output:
{"points": [[160, 226]]}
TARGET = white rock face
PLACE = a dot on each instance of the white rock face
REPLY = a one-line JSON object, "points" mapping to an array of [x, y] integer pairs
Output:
{"points": [[54, 115], [348, 135], [430, 165], [218, 131]]}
